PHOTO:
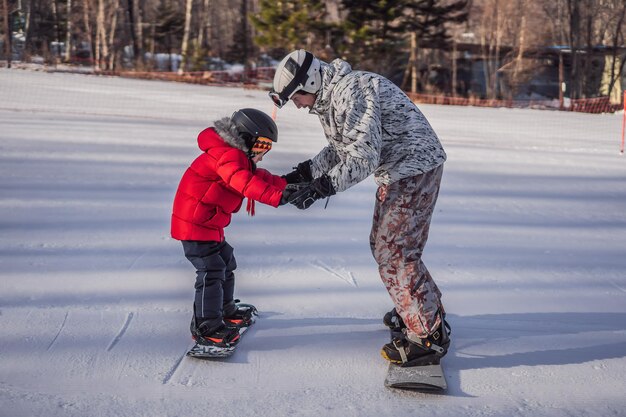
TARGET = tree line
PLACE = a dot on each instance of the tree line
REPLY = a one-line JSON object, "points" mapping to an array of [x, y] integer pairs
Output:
{"points": [[406, 40]]}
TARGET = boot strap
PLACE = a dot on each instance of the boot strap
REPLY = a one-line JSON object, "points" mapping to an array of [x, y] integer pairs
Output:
{"points": [[399, 346], [425, 343]]}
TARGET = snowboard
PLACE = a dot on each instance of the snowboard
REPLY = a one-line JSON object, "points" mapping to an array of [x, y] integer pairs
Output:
{"points": [[426, 378], [216, 352]]}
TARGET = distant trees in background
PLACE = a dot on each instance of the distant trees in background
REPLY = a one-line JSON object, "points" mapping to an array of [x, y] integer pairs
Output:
{"points": [[420, 44], [520, 28]]}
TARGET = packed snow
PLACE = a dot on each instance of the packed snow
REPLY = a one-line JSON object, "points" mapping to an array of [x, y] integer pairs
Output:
{"points": [[528, 244]]}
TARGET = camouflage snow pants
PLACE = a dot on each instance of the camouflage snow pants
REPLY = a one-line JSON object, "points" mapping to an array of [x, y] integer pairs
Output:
{"points": [[400, 227]]}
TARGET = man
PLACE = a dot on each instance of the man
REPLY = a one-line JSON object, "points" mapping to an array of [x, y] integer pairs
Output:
{"points": [[372, 127]]}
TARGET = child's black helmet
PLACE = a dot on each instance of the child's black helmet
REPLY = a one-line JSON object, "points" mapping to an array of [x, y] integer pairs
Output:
{"points": [[252, 123]]}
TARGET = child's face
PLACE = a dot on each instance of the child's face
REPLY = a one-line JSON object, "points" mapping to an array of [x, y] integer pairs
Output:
{"points": [[258, 158], [261, 146]]}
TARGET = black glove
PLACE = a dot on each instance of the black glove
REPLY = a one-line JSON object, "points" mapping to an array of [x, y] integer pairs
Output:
{"points": [[301, 173], [320, 187], [289, 190]]}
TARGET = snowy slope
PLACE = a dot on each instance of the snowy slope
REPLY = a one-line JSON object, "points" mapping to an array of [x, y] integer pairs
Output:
{"points": [[528, 245]]}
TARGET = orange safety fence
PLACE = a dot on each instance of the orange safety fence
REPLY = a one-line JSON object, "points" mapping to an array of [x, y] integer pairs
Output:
{"points": [[594, 105], [585, 105]]}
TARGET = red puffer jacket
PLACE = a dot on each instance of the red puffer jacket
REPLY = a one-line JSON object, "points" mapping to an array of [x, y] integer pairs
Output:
{"points": [[214, 186]]}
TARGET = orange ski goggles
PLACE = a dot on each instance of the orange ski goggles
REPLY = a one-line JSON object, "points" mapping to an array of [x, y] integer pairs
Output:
{"points": [[262, 145]]}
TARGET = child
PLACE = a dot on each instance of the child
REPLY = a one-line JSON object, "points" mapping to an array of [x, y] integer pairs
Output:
{"points": [[211, 189]]}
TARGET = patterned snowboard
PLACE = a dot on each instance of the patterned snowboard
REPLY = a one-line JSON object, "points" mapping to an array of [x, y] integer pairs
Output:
{"points": [[212, 352], [428, 378]]}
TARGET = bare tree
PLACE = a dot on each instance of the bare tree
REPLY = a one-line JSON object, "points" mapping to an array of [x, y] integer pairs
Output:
{"points": [[68, 32], [428, 22], [615, 19], [523, 33], [88, 26], [507, 32], [521, 47], [27, 5], [139, 15], [575, 43], [106, 25], [57, 34], [203, 33], [203, 30], [136, 52], [7, 32], [491, 33], [184, 49], [579, 27]]}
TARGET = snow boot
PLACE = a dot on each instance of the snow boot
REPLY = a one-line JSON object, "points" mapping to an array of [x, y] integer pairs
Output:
{"points": [[214, 332], [428, 351], [393, 320], [239, 314]]}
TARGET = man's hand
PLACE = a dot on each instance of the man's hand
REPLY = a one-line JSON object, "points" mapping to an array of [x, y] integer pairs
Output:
{"points": [[300, 174], [304, 197]]}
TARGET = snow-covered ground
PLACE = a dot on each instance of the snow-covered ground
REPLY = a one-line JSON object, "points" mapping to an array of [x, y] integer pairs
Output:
{"points": [[528, 244]]}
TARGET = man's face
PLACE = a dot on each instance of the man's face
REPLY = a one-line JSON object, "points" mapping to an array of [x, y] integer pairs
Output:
{"points": [[303, 100]]}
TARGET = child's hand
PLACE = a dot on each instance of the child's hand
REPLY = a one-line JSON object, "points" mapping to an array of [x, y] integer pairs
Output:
{"points": [[289, 190], [304, 197]]}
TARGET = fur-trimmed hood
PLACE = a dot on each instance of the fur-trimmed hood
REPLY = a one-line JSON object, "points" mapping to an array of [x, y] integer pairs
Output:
{"points": [[228, 131]]}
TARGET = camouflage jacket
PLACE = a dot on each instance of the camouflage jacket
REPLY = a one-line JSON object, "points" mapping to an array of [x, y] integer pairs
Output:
{"points": [[371, 127]]}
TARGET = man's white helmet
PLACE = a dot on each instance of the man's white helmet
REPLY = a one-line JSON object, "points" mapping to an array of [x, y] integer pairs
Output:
{"points": [[298, 71]]}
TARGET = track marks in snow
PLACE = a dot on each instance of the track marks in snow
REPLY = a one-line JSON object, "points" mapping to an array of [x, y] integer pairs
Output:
{"points": [[135, 261], [56, 336], [170, 374], [617, 286], [349, 278], [120, 334]]}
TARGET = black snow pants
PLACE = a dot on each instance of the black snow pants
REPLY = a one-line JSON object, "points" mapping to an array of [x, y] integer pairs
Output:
{"points": [[215, 280]]}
